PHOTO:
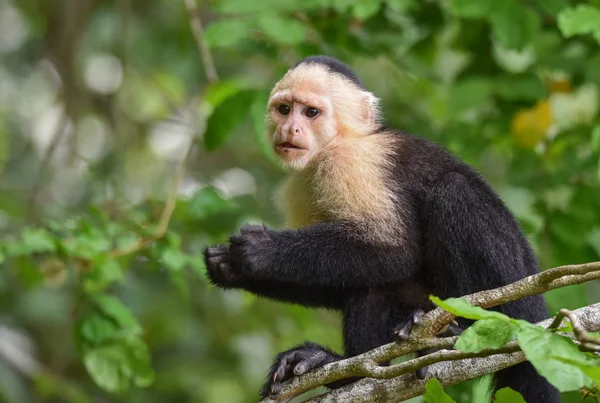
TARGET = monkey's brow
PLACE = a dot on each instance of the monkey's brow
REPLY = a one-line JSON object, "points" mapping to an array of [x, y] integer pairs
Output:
{"points": [[295, 97]]}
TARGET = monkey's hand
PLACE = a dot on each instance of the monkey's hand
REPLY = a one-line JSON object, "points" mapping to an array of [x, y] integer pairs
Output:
{"points": [[220, 269], [295, 361], [250, 249]]}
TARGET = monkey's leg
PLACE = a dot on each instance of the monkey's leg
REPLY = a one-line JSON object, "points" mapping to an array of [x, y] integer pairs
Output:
{"points": [[296, 361]]}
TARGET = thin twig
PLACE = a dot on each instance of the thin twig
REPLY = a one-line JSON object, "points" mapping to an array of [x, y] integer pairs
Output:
{"points": [[588, 343], [198, 32]]}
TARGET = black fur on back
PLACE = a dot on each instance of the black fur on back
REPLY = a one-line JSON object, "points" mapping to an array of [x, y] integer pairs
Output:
{"points": [[334, 65]]}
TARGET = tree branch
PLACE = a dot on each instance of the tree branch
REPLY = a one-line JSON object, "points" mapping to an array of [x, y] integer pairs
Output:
{"points": [[423, 336]]}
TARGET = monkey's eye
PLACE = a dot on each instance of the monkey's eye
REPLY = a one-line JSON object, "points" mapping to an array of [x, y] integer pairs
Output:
{"points": [[311, 112], [283, 109]]}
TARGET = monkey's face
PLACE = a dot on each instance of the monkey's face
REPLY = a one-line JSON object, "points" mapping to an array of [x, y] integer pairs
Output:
{"points": [[301, 124]]}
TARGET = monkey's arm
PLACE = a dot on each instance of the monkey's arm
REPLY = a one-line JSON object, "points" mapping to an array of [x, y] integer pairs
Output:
{"points": [[333, 255], [222, 273]]}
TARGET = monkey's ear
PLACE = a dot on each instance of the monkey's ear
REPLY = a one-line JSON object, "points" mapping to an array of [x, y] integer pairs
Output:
{"points": [[370, 107]]}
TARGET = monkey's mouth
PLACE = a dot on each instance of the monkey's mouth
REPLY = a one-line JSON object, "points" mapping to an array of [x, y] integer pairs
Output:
{"points": [[290, 150], [289, 146]]}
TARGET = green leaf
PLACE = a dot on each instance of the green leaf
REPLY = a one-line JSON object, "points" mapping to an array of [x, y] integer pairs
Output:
{"points": [[473, 9], [2, 257], [207, 202], [341, 6], [434, 393], [174, 259], [513, 24], [596, 138], [486, 333], [591, 367], [226, 118], [287, 31], [470, 93], [227, 33], [552, 7], [508, 395], [113, 367], [526, 88], [105, 272], [89, 246], [582, 19], [38, 240], [96, 329], [460, 307], [543, 348], [221, 90], [365, 9], [114, 309], [198, 266], [259, 126]]}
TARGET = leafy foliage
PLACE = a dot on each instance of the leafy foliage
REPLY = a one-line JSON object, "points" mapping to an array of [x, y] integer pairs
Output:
{"points": [[554, 356], [509, 86]]}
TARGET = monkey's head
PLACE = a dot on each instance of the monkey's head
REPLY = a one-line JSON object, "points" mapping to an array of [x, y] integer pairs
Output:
{"points": [[317, 100]]}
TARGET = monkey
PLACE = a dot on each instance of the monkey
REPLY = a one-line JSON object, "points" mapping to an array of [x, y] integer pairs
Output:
{"points": [[377, 220]]}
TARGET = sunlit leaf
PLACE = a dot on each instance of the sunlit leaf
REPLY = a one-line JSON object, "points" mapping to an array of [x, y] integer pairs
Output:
{"points": [[590, 366], [530, 126], [486, 333], [38, 240], [583, 19], [460, 307], [115, 367], [434, 393], [365, 9], [508, 395], [541, 347]]}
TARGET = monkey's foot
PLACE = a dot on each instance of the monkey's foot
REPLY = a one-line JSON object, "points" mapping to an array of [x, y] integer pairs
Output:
{"points": [[296, 361], [403, 330]]}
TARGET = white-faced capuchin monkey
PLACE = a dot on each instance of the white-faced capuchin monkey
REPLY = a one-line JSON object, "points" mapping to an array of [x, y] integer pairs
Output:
{"points": [[378, 220]]}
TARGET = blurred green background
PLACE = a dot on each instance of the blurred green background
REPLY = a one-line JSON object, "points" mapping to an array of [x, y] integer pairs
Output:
{"points": [[100, 102]]}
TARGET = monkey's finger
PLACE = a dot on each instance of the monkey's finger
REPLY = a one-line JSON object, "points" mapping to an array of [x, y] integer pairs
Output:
{"points": [[417, 316], [421, 373], [275, 389], [216, 250], [302, 367]]}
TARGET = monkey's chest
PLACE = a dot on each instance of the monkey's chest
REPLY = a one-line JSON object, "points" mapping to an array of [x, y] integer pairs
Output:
{"points": [[332, 197]]}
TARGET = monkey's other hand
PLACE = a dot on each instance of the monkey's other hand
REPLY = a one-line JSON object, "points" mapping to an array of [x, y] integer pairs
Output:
{"points": [[296, 361], [250, 249], [219, 268], [404, 329]]}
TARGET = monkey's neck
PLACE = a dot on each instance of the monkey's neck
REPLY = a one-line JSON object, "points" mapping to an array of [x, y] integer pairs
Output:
{"points": [[346, 181]]}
